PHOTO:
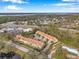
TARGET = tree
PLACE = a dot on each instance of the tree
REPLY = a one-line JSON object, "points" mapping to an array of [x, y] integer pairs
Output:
{"points": [[59, 53], [1, 45]]}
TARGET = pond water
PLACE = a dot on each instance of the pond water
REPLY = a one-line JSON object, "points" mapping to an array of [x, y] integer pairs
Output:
{"points": [[71, 50]]}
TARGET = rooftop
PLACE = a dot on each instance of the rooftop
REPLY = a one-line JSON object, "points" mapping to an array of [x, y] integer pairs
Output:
{"points": [[48, 37], [32, 41]]}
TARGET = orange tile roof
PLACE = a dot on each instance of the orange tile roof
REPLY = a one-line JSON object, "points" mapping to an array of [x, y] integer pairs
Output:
{"points": [[49, 37], [32, 41]]}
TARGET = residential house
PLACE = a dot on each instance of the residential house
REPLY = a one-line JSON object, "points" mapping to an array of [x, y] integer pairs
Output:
{"points": [[45, 37], [32, 42]]}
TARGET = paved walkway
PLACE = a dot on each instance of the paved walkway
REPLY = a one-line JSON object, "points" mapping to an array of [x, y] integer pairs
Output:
{"points": [[16, 46]]}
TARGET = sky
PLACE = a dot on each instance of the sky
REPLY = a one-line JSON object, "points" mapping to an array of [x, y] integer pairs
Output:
{"points": [[39, 6]]}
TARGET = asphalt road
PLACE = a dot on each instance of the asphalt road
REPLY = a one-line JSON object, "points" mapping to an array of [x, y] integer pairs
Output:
{"points": [[73, 30]]}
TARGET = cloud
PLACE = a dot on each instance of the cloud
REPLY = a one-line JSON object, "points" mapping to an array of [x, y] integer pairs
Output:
{"points": [[68, 9], [12, 7], [70, 0], [62, 4], [15, 1], [64, 7]]}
